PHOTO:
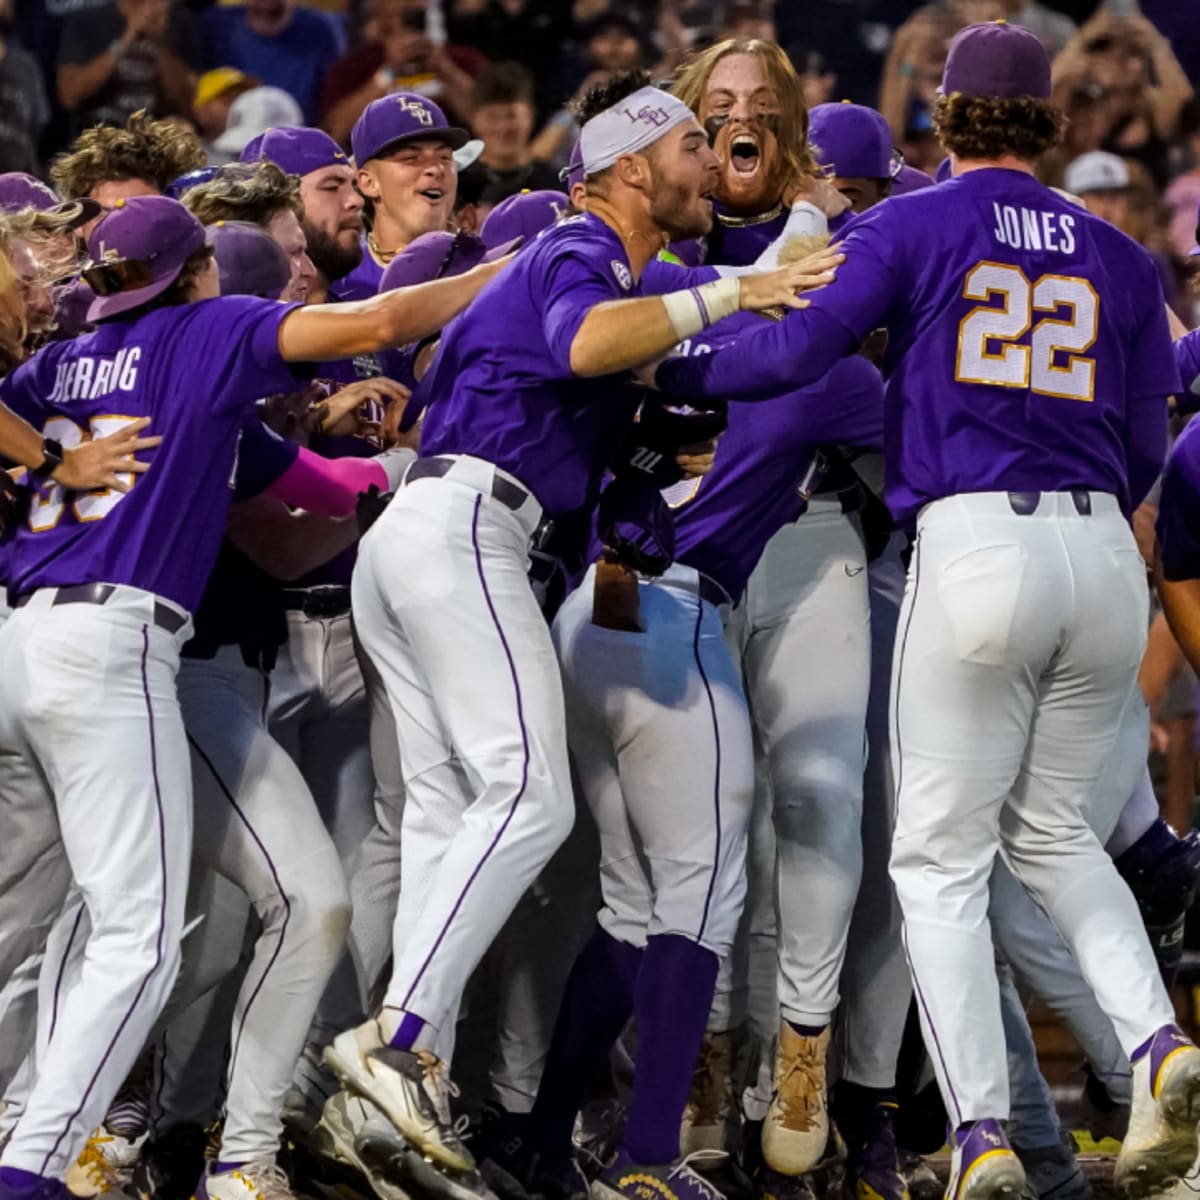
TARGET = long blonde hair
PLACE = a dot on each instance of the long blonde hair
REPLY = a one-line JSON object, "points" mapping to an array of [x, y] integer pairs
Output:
{"points": [[692, 78]]}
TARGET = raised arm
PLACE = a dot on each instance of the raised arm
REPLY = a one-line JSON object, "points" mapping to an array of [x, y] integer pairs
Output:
{"points": [[622, 334], [320, 332]]}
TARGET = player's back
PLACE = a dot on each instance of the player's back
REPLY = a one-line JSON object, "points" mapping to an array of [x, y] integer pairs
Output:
{"points": [[194, 370], [1015, 339]]}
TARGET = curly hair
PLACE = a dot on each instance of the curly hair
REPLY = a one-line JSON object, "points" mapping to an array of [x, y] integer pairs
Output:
{"points": [[604, 95], [12, 305], [252, 192], [691, 80], [155, 151], [988, 128]]}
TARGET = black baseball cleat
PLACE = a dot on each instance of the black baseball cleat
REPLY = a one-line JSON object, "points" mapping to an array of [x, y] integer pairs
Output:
{"points": [[1162, 870], [171, 1165]]}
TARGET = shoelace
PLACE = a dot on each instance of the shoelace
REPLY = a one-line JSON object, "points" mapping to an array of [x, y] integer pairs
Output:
{"points": [[697, 1180], [801, 1100], [440, 1088], [267, 1180], [92, 1161]]}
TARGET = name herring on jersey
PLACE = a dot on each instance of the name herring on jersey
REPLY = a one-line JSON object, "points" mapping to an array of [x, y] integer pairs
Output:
{"points": [[1027, 343], [195, 371]]}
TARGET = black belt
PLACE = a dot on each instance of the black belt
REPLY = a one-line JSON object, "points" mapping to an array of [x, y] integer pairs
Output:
{"points": [[326, 600], [1024, 504], [165, 617], [510, 494]]}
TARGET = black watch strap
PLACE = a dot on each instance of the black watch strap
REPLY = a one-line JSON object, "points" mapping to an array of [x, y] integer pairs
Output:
{"points": [[53, 451]]}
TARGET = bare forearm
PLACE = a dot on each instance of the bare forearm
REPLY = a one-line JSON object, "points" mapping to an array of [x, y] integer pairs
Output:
{"points": [[1181, 604], [284, 544], [78, 84], [19, 441], [318, 333], [622, 334]]}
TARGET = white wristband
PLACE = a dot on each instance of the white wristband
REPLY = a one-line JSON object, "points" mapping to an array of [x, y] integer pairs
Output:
{"points": [[694, 309], [395, 462], [804, 220]]}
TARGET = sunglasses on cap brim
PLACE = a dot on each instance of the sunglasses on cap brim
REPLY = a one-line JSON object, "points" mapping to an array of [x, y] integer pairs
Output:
{"points": [[898, 163], [119, 275]]}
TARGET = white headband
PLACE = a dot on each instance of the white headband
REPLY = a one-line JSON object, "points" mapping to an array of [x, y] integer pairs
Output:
{"points": [[630, 125]]}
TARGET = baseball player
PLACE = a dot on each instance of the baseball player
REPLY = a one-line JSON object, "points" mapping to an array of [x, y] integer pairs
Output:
{"points": [[441, 598], [90, 619], [1037, 606], [404, 151]]}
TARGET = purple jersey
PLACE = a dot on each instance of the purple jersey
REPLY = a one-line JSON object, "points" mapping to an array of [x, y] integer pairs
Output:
{"points": [[196, 371], [738, 241], [362, 283], [1187, 357], [502, 376], [1027, 343], [1179, 507], [760, 479]]}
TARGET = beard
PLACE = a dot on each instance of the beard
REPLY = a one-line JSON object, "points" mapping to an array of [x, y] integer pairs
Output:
{"points": [[329, 256], [753, 174], [677, 212]]}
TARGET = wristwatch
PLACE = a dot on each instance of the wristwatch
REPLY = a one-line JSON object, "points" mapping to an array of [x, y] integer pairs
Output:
{"points": [[53, 458]]}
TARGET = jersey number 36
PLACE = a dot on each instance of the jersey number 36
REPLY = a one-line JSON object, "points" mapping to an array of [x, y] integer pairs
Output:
{"points": [[992, 347], [47, 508]]}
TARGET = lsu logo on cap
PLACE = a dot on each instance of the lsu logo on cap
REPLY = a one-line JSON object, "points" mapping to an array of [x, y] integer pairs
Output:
{"points": [[415, 109], [621, 274]]}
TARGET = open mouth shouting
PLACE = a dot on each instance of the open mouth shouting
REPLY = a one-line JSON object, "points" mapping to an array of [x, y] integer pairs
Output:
{"points": [[433, 195], [745, 156]]}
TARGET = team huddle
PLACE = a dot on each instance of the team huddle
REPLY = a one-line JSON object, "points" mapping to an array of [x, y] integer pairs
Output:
{"points": [[531, 714]]}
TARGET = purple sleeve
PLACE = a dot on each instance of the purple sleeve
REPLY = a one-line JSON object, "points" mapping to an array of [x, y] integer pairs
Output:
{"points": [[662, 276], [1151, 378], [571, 285], [764, 362], [1179, 509], [1187, 359], [263, 457], [237, 340]]}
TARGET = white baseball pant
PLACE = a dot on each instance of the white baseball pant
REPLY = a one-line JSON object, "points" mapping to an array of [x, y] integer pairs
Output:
{"points": [[90, 697], [1019, 643], [660, 742], [805, 617], [444, 608], [257, 825]]}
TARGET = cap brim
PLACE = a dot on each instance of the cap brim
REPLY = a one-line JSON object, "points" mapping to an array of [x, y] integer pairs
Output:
{"points": [[69, 215], [119, 302], [468, 153], [452, 136], [1194, 252], [504, 248], [233, 141]]}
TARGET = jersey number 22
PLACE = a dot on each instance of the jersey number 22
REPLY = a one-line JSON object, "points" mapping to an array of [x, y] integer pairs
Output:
{"points": [[991, 346]]}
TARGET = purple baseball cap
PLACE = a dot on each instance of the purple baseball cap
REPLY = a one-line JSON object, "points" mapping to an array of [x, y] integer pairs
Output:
{"points": [[137, 250], [522, 217], [438, 255], [572, 173], [296, 149], [250, 260], [996, 60], [909, 179], [398, 118], [852, 140], [191, 179], [19, 190]]}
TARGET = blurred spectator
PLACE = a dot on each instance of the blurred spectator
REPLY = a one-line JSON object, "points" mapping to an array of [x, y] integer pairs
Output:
{"points": [[1102, 181], [123, 57], [252, 113], [397, 56], [1183, 196], [24, 109], [285, 44], [748, 20], [531, 32], [608, 43], [216, 90], [1053, 28], [503, 115], [109, 164], [817, 83]]}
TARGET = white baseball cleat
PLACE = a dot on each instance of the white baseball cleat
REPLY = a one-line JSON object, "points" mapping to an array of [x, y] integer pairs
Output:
{"points": [[797, 1125], [344, 1119], [1161, 1142], [255, 1181], [983, 1165], [105, 1164], [406, 1085]]}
